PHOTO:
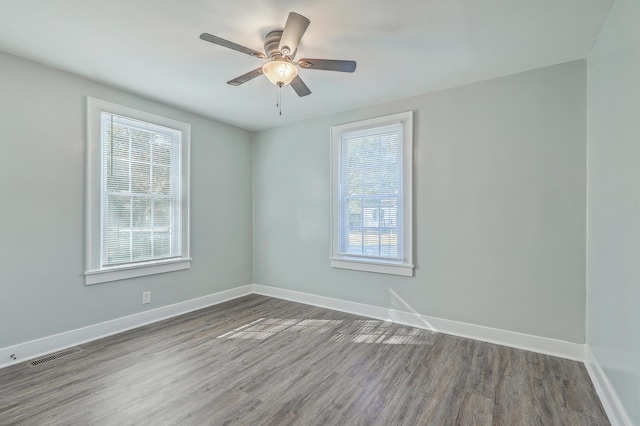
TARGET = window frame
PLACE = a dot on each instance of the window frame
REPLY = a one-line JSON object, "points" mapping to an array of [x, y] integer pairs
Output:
{"points": [[403, 267], [94, 272]]}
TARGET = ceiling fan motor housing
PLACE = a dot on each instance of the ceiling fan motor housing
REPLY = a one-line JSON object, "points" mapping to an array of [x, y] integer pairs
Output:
{"points": [[272, 44]]}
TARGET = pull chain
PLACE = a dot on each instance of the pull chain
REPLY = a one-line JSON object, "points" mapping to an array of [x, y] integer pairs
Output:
{"points": [[279, 98]]}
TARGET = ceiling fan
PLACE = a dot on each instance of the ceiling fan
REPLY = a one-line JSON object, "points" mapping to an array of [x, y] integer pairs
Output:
{"points": [[280, 49]]}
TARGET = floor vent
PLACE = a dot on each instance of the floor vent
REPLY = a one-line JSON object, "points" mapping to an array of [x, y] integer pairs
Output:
{"points": [[53, 357]]}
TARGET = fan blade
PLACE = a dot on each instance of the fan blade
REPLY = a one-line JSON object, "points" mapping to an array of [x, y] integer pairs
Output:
{"points": [[293, 31], [245, 77], [327, 65], [228, 44], [300, 88]]}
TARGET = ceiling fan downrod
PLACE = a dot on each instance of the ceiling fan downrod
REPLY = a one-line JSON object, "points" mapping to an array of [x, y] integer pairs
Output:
{"points": [[279, 97]]}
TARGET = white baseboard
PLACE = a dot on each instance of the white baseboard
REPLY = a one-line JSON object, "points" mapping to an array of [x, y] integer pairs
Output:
{"points": [[375, 312], [559, 348], [608, 396], [36, 348], [528, 342]]}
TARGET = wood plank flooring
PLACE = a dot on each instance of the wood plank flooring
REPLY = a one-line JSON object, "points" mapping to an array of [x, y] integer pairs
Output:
{"points": [[263, 361]]}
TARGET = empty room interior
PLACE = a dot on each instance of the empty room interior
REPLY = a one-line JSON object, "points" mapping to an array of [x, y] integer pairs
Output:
{"points": [[320, 212]]}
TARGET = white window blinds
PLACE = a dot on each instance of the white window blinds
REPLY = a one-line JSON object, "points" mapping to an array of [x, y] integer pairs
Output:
{"points": [[371, 192], [141, 203]]}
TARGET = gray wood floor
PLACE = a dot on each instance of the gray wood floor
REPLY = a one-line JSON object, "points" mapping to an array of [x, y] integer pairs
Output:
{"points": [[258, 360]]}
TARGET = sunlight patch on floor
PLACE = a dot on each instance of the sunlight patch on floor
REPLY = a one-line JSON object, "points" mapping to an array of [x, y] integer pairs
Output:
{"points": [[358, 331]]}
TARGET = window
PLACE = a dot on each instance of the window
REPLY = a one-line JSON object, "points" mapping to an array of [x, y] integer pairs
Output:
{"points": [[137, 193], [371, 176]]}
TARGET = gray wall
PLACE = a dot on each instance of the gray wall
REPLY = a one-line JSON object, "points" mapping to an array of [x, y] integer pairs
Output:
{"points": [[613, 226], [42, 291], [499, 199]]}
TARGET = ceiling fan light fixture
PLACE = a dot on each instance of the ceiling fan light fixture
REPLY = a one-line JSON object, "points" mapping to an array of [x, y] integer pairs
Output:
{"points": [[280, 47], [280, 72]]}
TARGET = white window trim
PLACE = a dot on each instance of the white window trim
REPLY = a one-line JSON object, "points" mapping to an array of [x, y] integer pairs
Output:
{"points": [[94, 273], [402, 267]]}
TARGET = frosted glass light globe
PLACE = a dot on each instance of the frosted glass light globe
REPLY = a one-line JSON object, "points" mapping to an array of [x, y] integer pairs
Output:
{"points": [[280, 72]]}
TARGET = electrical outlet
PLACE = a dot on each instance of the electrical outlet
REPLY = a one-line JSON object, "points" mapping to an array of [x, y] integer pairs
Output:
{"points": [[146, 297]]}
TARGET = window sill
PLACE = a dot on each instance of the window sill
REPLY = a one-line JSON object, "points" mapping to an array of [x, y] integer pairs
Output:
{"points": [[132, 271], [403, 269]]}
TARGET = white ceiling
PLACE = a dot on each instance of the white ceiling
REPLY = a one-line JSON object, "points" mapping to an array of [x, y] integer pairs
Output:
{"points": [[402, 47]]}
